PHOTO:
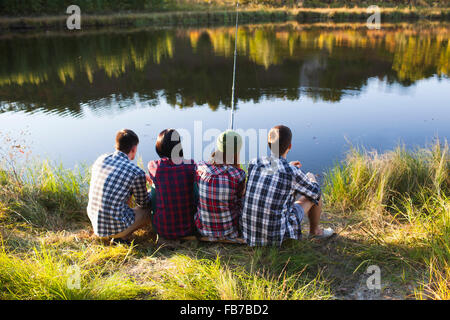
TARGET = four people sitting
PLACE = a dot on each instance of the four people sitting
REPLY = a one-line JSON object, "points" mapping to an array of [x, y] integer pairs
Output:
{"points": [[211, 199]]}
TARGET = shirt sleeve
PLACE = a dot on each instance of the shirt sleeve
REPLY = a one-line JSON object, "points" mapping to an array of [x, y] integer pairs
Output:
{"points": [[139, 190], [306, 187]]}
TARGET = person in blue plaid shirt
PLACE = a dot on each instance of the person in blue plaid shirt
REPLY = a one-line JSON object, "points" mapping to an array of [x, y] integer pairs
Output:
{"points": [[278, 195], [114, 180]]}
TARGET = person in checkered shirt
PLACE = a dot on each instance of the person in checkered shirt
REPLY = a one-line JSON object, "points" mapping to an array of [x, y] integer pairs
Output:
{"points": [[278, 195], [221, 184], [173, 188], [115, 179]]}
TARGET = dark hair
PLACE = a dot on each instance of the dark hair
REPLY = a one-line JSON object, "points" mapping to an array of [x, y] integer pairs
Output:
{"points": [[280, 138], [167, 140], [126, 140]]}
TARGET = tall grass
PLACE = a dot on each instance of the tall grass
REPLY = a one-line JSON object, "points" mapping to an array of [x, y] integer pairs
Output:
{"points": [[44, 273], [367, 179], [409, 188], [45, 195]]}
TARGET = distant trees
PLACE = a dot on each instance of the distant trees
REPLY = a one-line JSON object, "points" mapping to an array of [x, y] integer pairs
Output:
{"points": [[43, 7], [40, 7]]}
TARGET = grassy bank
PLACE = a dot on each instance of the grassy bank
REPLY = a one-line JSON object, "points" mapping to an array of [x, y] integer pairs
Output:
{"points": [[390, 210], [221, 17]]}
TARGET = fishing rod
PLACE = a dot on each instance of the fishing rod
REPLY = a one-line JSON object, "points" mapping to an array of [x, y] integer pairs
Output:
{"points": [[234, 68]]}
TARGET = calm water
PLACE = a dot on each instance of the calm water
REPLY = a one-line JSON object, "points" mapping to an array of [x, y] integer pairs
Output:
{"points": [[333, 85]]}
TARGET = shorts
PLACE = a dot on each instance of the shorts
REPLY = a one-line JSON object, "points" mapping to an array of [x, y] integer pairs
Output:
{"points": [[298, 211]]}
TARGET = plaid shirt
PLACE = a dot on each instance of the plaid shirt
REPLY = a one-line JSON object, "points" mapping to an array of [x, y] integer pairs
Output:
{"points": [[267, 216], [220, 200], [175, 207], [114, 180]]}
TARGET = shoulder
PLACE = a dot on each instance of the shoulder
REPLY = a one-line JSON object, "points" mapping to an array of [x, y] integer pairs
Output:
{"points": [[236, 173], [202, 165], [102, 162], [102, 158], [263, 161], [132, 169], [189, 165], [291, 169], [138, 172]]}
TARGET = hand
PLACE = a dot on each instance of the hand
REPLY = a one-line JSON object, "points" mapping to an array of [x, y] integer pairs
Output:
{"points": [[149, 180], [296, 164], [311, 177]]}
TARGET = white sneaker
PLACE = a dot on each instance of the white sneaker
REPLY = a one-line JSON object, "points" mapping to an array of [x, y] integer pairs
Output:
{"points": [[328, 232]]}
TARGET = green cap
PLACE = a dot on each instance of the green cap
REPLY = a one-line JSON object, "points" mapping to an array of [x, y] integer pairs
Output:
{"points": [[226, 141]]}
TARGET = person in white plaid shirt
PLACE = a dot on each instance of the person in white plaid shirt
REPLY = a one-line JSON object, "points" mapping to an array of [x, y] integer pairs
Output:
{"points": [[278, 195], [114, 180]]}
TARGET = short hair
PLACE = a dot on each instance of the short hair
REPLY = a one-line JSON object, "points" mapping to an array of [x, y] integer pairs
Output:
{"points": [[167, 141], [126, 140], [279, 139]]}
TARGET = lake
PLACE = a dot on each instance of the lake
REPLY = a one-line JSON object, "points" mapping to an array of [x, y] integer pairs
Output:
{"points": [[332, 84]]}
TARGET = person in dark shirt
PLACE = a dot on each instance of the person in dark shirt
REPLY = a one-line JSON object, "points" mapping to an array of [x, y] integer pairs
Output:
{"points": [[174, 195]]}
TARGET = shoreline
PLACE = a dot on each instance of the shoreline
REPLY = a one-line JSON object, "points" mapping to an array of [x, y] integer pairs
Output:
{"points": [[390, 209], [219, 17]]}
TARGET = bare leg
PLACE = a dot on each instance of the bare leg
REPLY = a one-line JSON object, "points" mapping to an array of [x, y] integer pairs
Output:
{"points": [[141, 219], [313, 211]]}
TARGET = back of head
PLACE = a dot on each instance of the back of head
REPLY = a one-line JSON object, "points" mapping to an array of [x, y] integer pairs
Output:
{"points": [[279, 140], [228, 147], [168, 144], [125, 140]]}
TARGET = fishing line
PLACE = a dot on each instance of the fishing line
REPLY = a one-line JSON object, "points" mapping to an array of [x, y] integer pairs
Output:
{"points": [[234, 68]]}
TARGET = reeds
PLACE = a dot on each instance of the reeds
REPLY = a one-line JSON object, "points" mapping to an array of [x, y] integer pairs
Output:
{"points": [[45, 195], [407, 188]]}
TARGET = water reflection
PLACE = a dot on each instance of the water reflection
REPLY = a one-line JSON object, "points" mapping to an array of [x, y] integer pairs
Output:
{"points": [[62, 74]]}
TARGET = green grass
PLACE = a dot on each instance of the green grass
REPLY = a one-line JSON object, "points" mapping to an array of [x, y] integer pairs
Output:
{"points": [[208, 279], [390, 209], [44, 273], [389, 181], [46, 195], [410, 189]]}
